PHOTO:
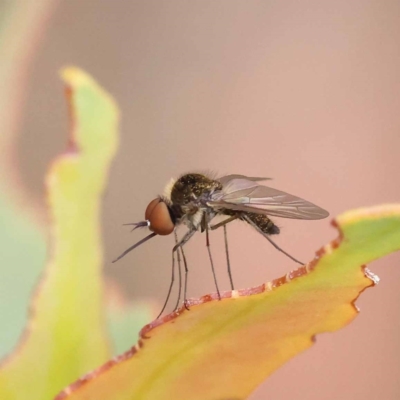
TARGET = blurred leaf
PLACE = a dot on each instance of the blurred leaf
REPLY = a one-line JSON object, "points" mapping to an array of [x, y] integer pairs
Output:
{"points": [[66, 335], [225, 349], [125, 318], [23, 242], [23, 251], [125, 324]]}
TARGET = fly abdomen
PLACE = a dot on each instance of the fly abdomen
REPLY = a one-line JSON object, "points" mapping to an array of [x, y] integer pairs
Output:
{"points": [[263, 223]]}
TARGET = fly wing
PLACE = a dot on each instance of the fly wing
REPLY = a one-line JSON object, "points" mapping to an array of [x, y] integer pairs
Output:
{"points": [[243, 194], [225, 179]]}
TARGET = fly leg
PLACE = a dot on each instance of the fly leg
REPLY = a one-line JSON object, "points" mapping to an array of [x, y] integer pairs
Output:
{"points": [[180, 272], [269, 239], [179, 252], [224, 222], [227, 258], [181, 243], [216, 226], [205, 224], [186, 280]]}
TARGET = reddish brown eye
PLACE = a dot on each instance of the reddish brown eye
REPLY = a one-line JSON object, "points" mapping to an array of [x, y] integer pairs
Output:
{"points": [[158, 215], [150, 208]]}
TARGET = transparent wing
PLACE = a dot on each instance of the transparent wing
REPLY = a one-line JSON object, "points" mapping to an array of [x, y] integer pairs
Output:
{"points": [[225, 179], [243, 194]]}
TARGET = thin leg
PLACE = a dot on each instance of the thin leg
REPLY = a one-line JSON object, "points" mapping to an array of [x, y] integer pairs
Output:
{"points": [[186, 279], [281, 250], [183, 241], [224, 222], [227, 257], [209, 254], [269, 239], [180, 272], [170, 285], [216, 226]]}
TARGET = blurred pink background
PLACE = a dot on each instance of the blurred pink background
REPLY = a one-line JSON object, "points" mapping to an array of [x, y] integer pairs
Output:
{"points": [[304, 92]]}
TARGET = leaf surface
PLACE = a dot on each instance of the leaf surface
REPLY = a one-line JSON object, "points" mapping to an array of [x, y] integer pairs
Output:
{"points": [[225, 349]]}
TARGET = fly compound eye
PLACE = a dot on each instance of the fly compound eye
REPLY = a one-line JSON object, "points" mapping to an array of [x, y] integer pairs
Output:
{"points": [[150, 208], [158, 215]]}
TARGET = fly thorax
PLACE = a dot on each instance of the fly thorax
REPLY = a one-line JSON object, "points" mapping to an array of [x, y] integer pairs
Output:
{"points": [[192, 187]]}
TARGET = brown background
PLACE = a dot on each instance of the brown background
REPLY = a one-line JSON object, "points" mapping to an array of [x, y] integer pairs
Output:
{"points": [[305, 92]]}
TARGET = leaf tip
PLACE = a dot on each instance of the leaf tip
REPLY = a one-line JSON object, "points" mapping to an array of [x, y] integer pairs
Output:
{"points": [[74, 76]]}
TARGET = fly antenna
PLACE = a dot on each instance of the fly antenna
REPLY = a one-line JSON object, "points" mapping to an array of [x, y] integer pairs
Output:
{"points": [[135, 245], [136, 225]]}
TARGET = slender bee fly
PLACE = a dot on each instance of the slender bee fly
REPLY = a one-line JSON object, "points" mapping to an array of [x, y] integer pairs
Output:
{"points": [[196, 199]]}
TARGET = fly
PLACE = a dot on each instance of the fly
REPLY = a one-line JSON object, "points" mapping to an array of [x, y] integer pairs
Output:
{"points": [[194, 200]]}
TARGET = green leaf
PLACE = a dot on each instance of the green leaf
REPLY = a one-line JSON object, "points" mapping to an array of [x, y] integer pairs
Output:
{"points": [[23, 240], [66, 335], [225, 349], [126, 319]]}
